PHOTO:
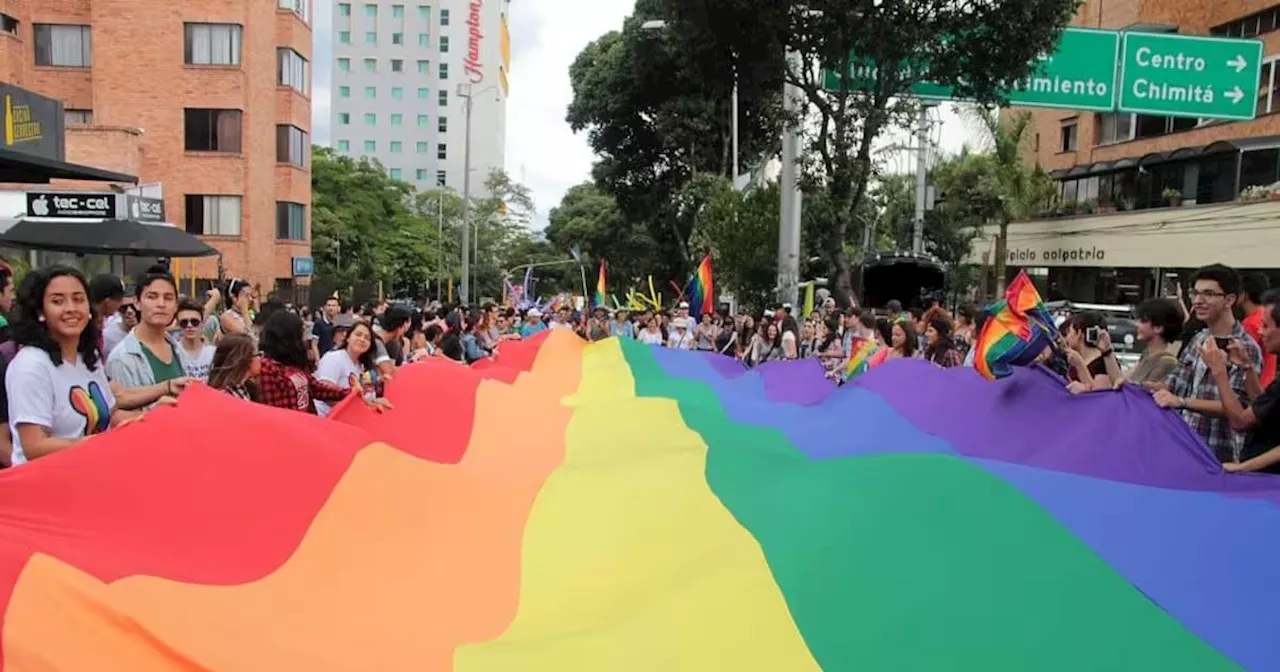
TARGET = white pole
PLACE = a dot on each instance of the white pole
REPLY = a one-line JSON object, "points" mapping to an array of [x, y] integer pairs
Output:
{"points": [[789, 223], [735, 129], [466, 200], [922, 177], [439, 242]]}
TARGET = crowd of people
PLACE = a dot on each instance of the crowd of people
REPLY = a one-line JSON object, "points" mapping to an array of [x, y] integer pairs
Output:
{"points": [[80, 357]]}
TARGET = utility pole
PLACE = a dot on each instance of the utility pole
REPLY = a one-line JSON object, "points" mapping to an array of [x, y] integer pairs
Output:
{"points": [[464, 90], [922, 177], [439, 241], [735, 125], [789, 221]]}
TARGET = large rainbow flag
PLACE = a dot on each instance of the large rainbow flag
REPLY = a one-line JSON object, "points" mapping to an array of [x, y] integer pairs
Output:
{"points": [[1017, 330], [917, 519]]}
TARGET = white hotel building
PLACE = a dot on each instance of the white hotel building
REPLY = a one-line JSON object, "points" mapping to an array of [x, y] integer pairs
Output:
{"points": [[398, 67]]}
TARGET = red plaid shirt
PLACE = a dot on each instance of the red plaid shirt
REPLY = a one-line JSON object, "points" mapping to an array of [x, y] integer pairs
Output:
{"points": [[289, 387]]}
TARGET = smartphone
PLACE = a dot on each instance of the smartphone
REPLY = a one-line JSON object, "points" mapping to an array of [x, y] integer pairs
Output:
{"points": [[1091, 335], [1222, 342]]}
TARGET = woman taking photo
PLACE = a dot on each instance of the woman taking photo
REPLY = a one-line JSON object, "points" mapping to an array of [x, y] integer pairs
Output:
{"points": [[235, 367], [351, 367], [286, 380], [56, 384], [236, 318], [1092, 364]]}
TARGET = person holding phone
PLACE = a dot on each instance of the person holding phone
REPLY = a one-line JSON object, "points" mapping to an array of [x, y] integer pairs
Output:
{"points": [[1092, 363], [1260, 419], [1191, 388]]}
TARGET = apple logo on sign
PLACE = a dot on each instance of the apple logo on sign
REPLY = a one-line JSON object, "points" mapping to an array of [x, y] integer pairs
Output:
{"points": [[40, 206], [137, 210]]}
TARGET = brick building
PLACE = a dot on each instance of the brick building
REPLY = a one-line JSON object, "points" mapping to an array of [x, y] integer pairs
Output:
{"points": [[211, 100], [1115, 235]]}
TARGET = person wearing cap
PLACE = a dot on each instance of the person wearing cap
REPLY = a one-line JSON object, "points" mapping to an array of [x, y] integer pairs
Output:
{"points": [[342, 325], [682, 310], [681, 338], [533, 324]]}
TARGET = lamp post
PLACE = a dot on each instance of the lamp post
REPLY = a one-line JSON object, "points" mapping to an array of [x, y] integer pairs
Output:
{"points": [[465, 92]]}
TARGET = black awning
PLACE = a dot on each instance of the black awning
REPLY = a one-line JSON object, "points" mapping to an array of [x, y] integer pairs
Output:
{"points": [[109, 237], [30, 169], [1077, 171], [1153, 158], [1057, 174]]}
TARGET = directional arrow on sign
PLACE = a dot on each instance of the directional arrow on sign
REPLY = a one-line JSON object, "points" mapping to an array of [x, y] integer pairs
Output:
{"points": [[1236, 95], [1238, 63]]}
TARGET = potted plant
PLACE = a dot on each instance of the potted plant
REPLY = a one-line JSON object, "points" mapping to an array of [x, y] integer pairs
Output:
{"points": [[1127, 204], [1172, 196]]}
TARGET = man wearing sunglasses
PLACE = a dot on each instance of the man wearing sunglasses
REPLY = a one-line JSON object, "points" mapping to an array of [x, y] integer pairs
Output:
{"points": [[197, 353]]}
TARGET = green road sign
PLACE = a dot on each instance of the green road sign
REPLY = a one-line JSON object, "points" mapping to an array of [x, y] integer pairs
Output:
{"points": [[1080, 74], [1190, 76]]}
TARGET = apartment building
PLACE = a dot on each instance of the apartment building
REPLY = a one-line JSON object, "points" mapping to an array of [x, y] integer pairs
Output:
{"points": [[209, 104], [1144, 198], [402, 70]]}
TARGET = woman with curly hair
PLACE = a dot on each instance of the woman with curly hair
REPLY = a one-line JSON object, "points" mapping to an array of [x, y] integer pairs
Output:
{"points": [[57, 383]]}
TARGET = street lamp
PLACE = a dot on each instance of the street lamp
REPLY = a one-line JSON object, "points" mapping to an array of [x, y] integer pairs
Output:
{"points": [[659, 24], [465, 92]]}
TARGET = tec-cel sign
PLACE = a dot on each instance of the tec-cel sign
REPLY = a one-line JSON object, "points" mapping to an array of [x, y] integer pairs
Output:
{"points": [[68, 205], [1190, 76], [143, 209]]}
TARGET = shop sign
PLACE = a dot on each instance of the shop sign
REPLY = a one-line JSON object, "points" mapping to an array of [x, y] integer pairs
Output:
{"points": [[303, 266], [1057, 256], [143, 209], [33, 124], [71, 205]]}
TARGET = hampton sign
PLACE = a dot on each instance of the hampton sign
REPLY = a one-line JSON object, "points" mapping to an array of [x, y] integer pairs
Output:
{"points": [[473, 63], [1104, 70]]}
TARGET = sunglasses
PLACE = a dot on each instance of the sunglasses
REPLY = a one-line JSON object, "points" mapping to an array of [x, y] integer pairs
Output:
{"points": [[190, 322]]}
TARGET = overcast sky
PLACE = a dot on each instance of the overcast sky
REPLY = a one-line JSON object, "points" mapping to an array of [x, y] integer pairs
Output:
{"points": [[546, 35]]}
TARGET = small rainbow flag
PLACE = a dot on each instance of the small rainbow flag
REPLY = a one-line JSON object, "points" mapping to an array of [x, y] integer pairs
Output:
{"points": [[864, 354], [601, 286], [701, 289], [1017, 330]]}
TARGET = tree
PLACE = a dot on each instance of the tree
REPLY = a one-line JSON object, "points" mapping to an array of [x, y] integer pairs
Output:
{"points": [[590, 219], [741, 231], [1019, 190], [961, 44]]}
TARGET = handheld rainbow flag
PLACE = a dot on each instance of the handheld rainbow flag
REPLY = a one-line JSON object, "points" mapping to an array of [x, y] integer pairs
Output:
{"points": [[601, 287], [701, 289], [763, 521], [1017, 330], [865, 354]]}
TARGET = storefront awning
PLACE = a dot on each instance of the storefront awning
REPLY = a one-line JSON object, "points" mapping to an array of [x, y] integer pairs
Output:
{"points": [[119, 237], [25, 168], [1242, 235]]}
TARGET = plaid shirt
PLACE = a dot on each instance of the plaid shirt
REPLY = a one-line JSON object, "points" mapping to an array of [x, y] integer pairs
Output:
{"points": [[1191, 379], [285, 386]]}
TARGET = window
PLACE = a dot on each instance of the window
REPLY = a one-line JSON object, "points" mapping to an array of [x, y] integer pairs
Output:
{"points": [[213, 215], [444, 98], [78, 117], [344, 64], [344, 118], [1067, 136], [424, 93], [444, 17], [370, 146], [370, 119], [1115, 127], [420, 174], [212, 44], [344, 36], [294, 70], [441, 178], [397, 38], [397, 65], [444, 71], [370, 65], [371, 37], [422, 147], [424, 40], [291, 221], [442, 125], [444, 44], [1268, 87], [395, 173], [371, 11], [300, 7], [424, 12], [424, 67], [396, 146], [344, 92], [344, 146], [1258, 23], [442, 151], [65, 46], [397, 119], [209, 130], [293, 145], [397, 11], [422, 120], [370, 92], [397, 93], [344, 9], [8, 24]]}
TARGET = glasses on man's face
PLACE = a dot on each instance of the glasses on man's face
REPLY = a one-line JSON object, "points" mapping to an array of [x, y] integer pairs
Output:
{"points": [[1205, 294], [189, 323]]}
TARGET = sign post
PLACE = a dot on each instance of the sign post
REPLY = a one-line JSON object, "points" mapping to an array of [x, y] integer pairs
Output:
{"points": [[1190, 76]]}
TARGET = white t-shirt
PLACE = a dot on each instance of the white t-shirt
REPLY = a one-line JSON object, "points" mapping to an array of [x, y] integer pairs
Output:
{"points": [[789, 343], [336, 367], [70, 400], [113, 332], [680, 341], [561, 325], [197, 366], [650, 337]]}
